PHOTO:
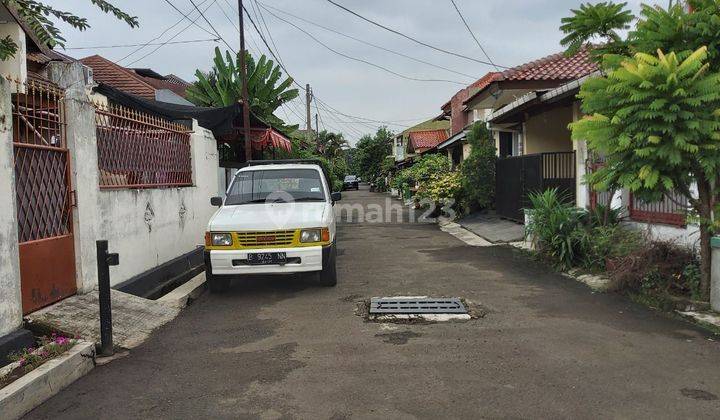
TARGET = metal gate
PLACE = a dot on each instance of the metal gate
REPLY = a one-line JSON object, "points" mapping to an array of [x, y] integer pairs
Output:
{"points": [[44, 205], [518, 176]]}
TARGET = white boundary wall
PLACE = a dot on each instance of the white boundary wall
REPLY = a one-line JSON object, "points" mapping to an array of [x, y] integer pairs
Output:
{"points": [[147, 227]]}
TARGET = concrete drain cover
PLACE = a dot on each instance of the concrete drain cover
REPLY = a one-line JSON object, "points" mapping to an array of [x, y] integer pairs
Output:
{"points": [[417, 306]]}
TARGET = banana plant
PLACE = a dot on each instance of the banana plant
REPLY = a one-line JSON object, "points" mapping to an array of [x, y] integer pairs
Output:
{"points": [[222, 86]]}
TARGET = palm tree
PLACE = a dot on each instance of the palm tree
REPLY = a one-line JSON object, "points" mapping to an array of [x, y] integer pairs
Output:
{"points": [[331, 145], [222, 86]]}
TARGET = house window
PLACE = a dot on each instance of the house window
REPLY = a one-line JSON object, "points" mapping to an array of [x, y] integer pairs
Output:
{"points": [[506, 141]]}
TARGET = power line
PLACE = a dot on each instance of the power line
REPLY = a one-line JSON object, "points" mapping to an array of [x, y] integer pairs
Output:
{"points": [[267, 29], [186, 17], [293, 79], [425, 44], [349, 57], [212, 27], [265, 6], [193, 22], [131, 53], [98, 47], [473, 35]]}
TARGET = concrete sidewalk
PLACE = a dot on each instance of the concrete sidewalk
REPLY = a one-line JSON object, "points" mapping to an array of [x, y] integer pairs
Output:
{"points": [[134, 318], [492, 228]]}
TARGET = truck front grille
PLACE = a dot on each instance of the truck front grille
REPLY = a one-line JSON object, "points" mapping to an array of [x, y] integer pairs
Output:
{"points": [[268, 238]]}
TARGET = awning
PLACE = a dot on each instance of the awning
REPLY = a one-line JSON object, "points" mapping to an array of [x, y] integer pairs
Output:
{"points": [[261, 139]]}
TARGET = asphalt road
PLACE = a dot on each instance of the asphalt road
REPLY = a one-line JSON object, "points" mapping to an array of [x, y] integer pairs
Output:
{"points": [[279, 348]]}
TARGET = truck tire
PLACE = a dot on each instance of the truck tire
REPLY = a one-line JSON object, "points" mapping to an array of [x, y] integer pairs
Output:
{"points": [[328, 275]]}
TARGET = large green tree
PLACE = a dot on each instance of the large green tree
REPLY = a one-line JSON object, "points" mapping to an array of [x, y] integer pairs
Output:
{"points": [[655, 114], [370, 152], [39, 18], [222, 86]]}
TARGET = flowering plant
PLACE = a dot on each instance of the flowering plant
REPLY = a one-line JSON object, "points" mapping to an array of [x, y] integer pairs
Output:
{"points": [[49, 347]]}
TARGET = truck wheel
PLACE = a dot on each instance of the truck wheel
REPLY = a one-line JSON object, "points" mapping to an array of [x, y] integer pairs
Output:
{"points": [[328, 275], [217, 284]]}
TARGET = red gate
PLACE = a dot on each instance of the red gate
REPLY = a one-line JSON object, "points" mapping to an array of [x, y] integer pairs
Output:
{"points": [[44, 206]]}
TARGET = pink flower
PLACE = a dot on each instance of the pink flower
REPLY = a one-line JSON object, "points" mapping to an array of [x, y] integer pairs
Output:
{"points": [[61, 340], [22, 361]]}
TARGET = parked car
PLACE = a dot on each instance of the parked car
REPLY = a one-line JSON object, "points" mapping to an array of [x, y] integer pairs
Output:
{"points": [[276, 218], [351, 182]]}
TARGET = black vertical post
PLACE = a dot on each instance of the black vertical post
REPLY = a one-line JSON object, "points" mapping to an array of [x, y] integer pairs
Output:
{"points": [[104, 261]]}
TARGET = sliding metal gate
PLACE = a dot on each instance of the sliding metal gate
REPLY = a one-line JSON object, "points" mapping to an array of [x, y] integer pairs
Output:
{"points": [[518, 176]]}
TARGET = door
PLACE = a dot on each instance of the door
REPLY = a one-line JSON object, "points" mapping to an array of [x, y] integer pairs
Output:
{"points": [[43, 195], [506, 143]]}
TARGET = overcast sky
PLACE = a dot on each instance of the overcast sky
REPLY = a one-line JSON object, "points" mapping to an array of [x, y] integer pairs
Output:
{"points": [[512, 32]]}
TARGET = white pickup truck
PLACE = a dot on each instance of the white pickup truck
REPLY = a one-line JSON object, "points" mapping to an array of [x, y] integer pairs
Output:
{"points": [[277, 218]]}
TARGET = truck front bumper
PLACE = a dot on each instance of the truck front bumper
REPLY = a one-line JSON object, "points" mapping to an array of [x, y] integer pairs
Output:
{"points": [[233, 262]]}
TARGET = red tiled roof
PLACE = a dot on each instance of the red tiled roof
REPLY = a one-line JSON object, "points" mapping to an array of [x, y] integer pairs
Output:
{"points": [[427, 139], [554, 67], [119, 77], [455, 108]]}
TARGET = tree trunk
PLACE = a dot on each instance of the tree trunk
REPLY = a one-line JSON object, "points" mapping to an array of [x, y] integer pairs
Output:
{"points": [[705, 213]]}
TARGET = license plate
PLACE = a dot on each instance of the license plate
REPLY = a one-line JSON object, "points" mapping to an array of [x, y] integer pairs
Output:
{"points": [[267, 258]]}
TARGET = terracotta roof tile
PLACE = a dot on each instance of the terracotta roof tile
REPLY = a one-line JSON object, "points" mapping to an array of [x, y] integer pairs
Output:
{"points": [[554, 67], [119, 77], [427, 139]]}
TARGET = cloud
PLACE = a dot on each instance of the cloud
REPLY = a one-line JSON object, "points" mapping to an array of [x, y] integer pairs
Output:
{"points": [[512, 31]]}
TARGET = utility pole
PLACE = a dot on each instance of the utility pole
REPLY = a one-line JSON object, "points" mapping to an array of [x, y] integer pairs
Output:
{"points": [[308, 99], [245, 99]]}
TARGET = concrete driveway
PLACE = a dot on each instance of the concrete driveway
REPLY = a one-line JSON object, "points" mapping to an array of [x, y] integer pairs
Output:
{"points": [[278, 348]]}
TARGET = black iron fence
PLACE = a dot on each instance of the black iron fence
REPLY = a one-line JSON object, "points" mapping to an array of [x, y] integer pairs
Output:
{"points": [[519, 176]]}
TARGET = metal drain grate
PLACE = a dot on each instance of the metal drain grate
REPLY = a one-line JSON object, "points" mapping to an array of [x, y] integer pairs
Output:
{"points": [[417, 306]]}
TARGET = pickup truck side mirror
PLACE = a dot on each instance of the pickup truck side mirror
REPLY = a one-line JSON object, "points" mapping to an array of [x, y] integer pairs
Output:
{"points": [[216, 201], [336, 196]]}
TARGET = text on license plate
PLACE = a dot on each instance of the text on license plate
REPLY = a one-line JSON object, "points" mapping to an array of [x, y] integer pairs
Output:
{"points": [[267, 258]]}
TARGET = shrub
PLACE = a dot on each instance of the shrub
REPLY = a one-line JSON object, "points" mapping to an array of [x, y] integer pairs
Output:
{"points": [[658, 268], [441, 188], [608, 242], [422, 170], [555, 227], [478, 170]]}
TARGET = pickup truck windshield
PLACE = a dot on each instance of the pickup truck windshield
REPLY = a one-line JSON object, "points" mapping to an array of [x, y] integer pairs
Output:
{"points": [[276, 185]]}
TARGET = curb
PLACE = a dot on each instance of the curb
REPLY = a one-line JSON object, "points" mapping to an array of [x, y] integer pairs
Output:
{"points": [[464, 235], [181, 296], [31, 390]]}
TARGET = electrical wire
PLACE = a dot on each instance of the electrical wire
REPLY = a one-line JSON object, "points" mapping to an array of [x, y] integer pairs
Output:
{"points": [[171, 38], [266, 6], [301, 87], [166, 30], [212, 27], [186, 17], [425, 44], [99, 47], [473, 35], [349, 57]]}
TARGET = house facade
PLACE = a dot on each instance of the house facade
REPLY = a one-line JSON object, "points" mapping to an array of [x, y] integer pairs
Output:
{"points": [[540, 144]]}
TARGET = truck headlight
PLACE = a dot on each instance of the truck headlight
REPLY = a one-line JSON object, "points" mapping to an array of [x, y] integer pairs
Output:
{"points": [[221, 239], [315, 235], [310, 235]]}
